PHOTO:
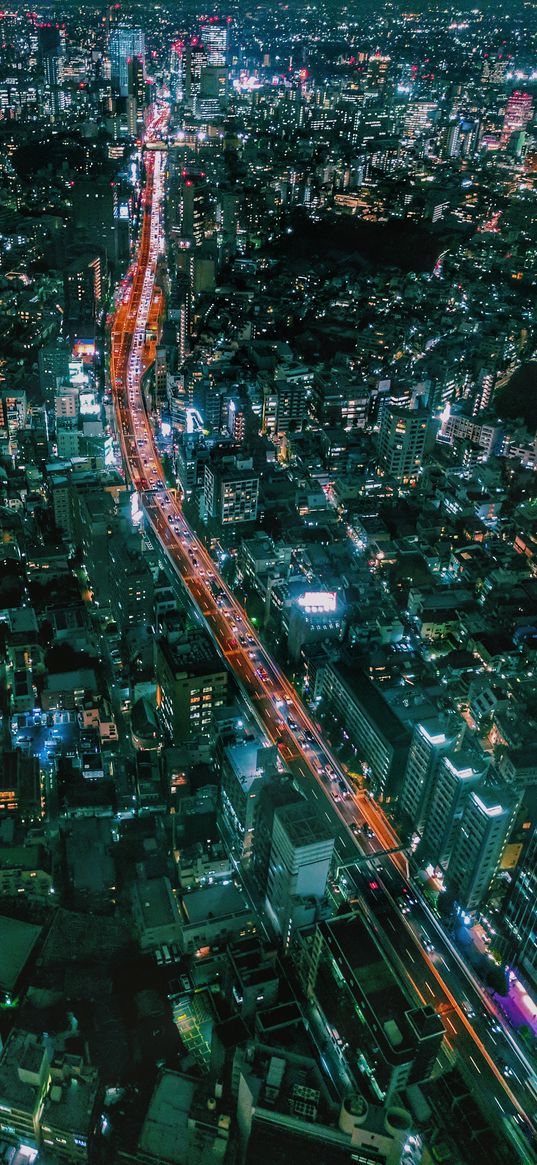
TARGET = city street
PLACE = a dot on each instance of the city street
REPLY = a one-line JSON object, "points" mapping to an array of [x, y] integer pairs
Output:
{"points": [[426, 961]]}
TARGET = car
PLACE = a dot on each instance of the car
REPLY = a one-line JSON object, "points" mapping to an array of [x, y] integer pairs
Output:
{"points": [[158, 958], [467, 1008], [355, 829], [427, 944]]}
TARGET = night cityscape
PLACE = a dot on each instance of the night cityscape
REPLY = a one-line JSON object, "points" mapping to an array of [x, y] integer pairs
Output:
{"points": [[268, 584]]}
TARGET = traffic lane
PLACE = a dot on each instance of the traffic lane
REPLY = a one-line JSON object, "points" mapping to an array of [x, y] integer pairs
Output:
{"points": [[286, 687], [471, 1039], [485, 1022]]}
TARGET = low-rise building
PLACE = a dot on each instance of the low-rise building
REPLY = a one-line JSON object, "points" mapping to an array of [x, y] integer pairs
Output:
{"points": [[155, 911], [213, 915]]}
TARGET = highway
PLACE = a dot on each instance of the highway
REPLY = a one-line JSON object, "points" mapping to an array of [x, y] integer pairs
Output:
{"points": [[425, 959]]}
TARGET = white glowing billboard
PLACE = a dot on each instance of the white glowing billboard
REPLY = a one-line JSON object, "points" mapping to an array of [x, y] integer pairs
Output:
{"points": [[322, 601]]}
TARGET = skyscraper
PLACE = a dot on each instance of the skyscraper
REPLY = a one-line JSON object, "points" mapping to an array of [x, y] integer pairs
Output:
{"points": [[125, 44], [52, 51], [215, 34]]}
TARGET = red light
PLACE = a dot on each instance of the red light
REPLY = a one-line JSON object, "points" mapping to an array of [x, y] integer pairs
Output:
{"points": [[373, 885]]}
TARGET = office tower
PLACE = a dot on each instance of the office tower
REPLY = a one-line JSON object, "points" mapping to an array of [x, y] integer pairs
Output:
{"points": [[401, 442], [420, 118], [299, 864], [125, 43], [83, 292], [95, 206], [227, 221], [177, 70], [486, 820], [137, 96], [431, 740], [192, 208], [521, 913], [191, 684], [215, 33], [518, 113], [194, 60], [64, 505], [458, 775], [51, 45], [377, 72], [53, 363]]}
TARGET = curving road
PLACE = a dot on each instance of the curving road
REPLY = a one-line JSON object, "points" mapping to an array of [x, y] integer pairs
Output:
{"points": [[497, 1069]]}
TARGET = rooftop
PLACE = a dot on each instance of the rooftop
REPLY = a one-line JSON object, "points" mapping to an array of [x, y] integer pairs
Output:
{"points": [[69, 1105], [165, 1130], [372, 701], [17, 941], [303, 824], [216, 901]]}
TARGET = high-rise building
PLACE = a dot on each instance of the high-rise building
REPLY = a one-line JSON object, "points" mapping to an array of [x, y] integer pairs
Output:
{"points": [[131, 582], [245, 768], [215, 35], [192, 208], [458, 774], [486, 820], [299, 864], [518, 113], [51, 42], [83, 292], [274, 793], [191, 684], [53, 363], [125, 43], [431, 740], [230, 491], [402, 442], [194, 60]]}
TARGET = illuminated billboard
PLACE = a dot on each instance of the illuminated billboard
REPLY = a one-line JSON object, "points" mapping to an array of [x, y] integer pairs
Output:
{"points": [[322, 601]]}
